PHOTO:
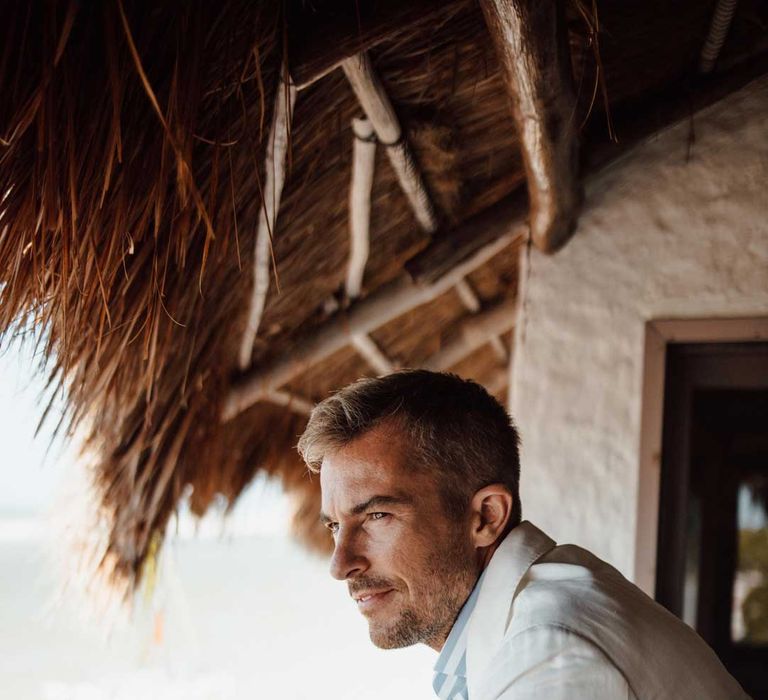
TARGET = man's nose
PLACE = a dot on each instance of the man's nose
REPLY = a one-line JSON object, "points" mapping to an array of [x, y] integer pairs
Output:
{"points": [[347, 560]]}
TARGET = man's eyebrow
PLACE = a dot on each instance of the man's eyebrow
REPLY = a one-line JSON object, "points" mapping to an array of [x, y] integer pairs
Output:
{"points": [[372, 502], [381, 501]]}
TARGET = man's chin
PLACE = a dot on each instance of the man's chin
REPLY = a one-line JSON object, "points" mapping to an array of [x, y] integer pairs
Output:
{"points": [[386, 639], [404, 632]]}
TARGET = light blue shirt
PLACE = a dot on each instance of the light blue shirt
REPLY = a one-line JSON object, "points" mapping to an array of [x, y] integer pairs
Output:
{"points": [[450, 682]]}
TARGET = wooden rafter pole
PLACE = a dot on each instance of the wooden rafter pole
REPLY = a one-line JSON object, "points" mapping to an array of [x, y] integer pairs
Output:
{"points": [[498, 381], [718, 31], [472, 304], [532, 44], [387, 303], [321, 35], [473, 333], [499, 349], [274, 178], [297, 404], [450, 249], [378, 108], [451, 257], [363, 162], [468, 297], [372, 353]]}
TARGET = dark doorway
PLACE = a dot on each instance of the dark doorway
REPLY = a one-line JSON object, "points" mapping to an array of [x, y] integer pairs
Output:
{"points": [[713, 516]]}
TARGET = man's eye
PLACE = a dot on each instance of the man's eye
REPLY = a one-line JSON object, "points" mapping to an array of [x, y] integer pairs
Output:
{"points": [[333, 528], [377, 516]]}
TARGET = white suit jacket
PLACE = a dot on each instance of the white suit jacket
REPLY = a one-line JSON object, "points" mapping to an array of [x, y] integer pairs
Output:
{"points": [[555, 622]]}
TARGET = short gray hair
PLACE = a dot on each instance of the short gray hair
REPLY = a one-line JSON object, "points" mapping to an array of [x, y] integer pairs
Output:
{"points": [[453, 427]]}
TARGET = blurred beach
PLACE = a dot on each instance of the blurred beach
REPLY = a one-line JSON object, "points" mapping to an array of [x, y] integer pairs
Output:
{"points": [[231, 618], [236, 610]]}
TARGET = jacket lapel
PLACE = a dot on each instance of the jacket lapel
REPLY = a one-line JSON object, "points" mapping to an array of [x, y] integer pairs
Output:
{"points": [[490, 619]]}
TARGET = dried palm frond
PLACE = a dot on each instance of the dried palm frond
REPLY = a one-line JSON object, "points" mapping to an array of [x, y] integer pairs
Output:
{"points": [[130, 148]]}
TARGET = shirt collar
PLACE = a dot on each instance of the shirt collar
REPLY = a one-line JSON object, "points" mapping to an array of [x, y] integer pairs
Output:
{"points": [[524, 545], [450, 679]]}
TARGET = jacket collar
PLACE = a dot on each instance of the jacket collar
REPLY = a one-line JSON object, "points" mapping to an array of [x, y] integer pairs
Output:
{"points": [[491, 616]]}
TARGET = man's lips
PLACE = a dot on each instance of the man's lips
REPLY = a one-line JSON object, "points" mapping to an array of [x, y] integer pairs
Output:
{"points": [[368, 600]]}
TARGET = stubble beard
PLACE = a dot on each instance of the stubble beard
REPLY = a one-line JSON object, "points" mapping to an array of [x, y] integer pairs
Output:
{"points": [[447, 581]]}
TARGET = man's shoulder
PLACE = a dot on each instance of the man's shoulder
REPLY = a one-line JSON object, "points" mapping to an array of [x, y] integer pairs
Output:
{"points": [[540, 595], [571, 590], [541, 583], [564, 585]]}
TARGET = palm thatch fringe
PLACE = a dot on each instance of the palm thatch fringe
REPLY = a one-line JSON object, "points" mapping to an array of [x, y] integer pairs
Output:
{"points": [[119, 228]]}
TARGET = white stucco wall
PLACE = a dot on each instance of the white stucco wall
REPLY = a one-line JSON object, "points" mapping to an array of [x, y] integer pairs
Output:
{"points": [[658, 237]]}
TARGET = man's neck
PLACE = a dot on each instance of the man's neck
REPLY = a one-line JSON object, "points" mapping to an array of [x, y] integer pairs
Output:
{"points": [[485, 555]]}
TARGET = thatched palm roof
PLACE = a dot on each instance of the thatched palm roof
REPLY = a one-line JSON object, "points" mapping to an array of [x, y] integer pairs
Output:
{"points": [[132, 174]]}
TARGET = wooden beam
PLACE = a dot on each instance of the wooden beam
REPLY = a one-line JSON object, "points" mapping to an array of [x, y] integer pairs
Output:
{"points": [[451, 248], [498, 381], [718, 30], [468, 297], [499, 349], [363, 161], [274, 178], [473, 304], [455, 254], [383, 305], [668, 107], [378, 108], [372, 353], [322, 33], [532, 44], [473, 333], [298, 404]]}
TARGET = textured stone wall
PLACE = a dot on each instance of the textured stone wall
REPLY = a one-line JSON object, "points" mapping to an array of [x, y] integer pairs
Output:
{"points": [[660, 236]]}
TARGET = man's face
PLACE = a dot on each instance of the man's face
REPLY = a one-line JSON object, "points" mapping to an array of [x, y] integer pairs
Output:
{"points": [[407, 565]]}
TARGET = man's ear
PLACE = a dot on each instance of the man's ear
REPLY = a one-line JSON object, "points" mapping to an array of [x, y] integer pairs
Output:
{"points": [[491, 510]]}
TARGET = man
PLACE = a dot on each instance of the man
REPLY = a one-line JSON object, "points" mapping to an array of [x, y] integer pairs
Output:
{"points": [[419, 476]]}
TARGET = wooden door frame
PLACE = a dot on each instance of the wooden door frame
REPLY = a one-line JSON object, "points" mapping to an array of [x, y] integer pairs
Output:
{"points": [[658, 334]]}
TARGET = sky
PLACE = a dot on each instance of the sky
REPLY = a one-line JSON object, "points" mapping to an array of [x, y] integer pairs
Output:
{"points": [[38, 471], [29, 471]]}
